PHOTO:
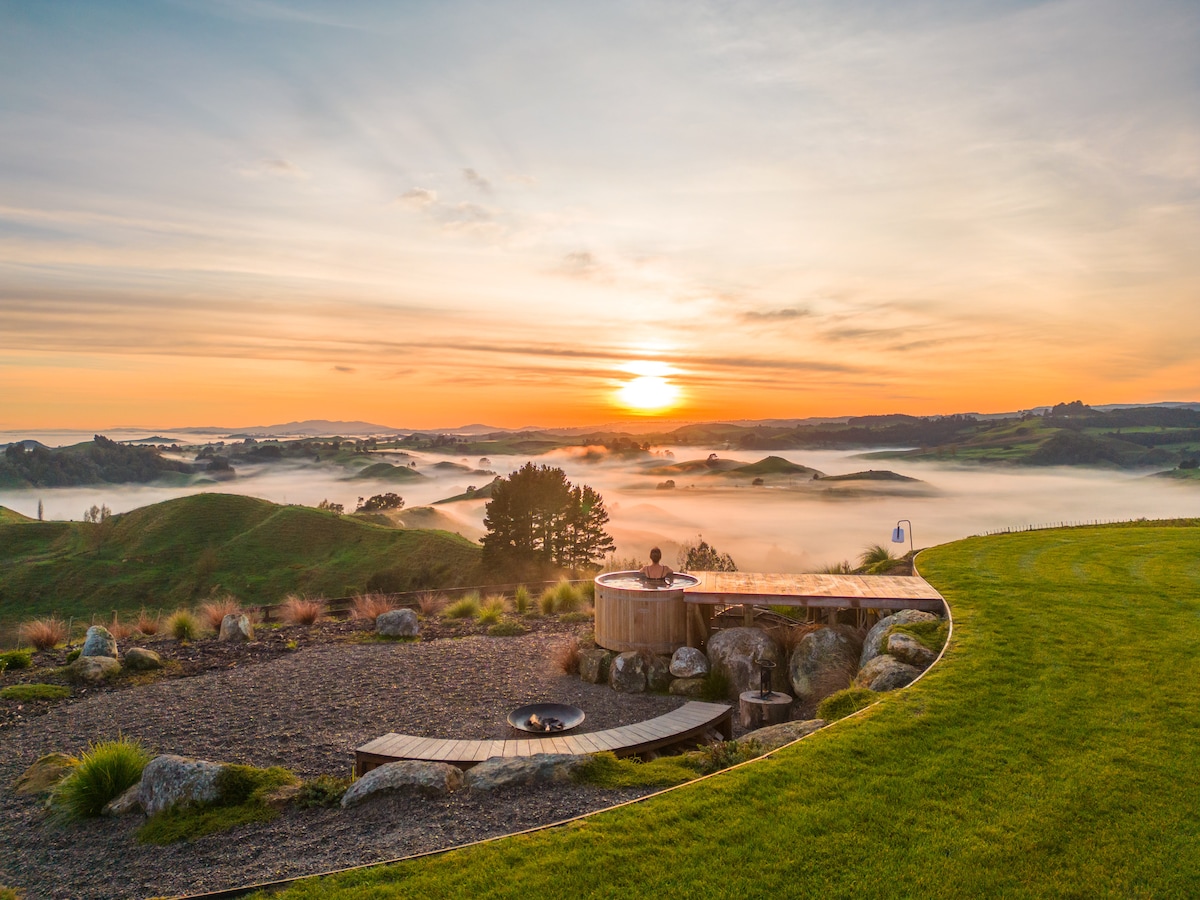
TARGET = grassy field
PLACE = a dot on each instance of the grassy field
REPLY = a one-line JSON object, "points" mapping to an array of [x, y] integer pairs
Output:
{"points": [[1052, 753], [183, 550]]}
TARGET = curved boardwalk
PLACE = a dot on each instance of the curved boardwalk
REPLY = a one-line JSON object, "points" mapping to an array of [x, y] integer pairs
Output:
{"points": [[1052, 752]]}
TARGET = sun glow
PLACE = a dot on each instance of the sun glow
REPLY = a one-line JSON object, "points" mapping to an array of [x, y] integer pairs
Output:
{"points": [[650, 391]]}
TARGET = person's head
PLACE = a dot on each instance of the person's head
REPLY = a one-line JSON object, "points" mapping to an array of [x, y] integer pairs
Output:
{"points": [[655, 555]]}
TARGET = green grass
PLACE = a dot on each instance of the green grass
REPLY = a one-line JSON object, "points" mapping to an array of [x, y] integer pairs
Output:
{"points": [[16, 659], [1051, 753], [183, 625], [105, 771], [844, 702], [507, 629], [184, 550], [26, 692], [606, 771], [240, 790], [466, 608]]}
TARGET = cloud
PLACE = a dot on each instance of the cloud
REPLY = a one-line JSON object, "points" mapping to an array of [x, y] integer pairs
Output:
{"points": [[776, 315], [476, 180], [583, 264], [348, 370], [275, 168], [419, 197]]}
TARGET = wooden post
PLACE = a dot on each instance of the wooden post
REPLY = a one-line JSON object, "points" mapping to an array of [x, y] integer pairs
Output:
{"points": [[758, 711]]}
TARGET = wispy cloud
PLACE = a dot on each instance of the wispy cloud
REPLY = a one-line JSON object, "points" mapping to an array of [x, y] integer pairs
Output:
{"points": [[476, 180], [275, 168]]}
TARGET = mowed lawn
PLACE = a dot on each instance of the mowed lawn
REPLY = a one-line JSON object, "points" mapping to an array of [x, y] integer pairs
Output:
{"points": [[1054, 751]]}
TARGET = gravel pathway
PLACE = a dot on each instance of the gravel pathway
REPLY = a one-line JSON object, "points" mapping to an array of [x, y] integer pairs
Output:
{"points": [[306, 710]]}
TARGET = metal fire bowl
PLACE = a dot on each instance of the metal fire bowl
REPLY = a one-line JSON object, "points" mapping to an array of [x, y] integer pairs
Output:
{"points": [[570, 716]]}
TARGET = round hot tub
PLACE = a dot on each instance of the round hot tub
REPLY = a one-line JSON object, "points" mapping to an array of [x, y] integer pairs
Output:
{"points": [[637, 613]]}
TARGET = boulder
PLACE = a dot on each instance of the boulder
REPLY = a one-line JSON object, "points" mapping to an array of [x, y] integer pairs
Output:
{"points": [[687, 687], [628, 673], [775, 736], [658, 673], [142, 660], [397, 623], [823, 662], [168, 780], [688, 662], [504, 771], [44, 774], [909, 650], [93, 669], [872, 645], [128, 802], [885, 673], [594, 665], [405, 775], [99, 642], [736, 652], [235, 627]]}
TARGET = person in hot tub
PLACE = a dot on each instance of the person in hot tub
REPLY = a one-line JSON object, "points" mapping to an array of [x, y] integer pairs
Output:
{"points": [[656, 572]]}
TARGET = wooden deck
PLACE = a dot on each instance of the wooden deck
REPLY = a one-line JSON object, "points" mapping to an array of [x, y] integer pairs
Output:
{"points": [[688, 722]]}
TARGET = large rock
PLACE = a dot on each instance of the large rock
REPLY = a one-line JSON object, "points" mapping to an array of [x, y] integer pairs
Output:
{"points": [[595, 664], [775, 736], [235, 627], [405, 775], [503, 771], [168, 780], [885, 673], [397, 623], [873, 645], [909, 650], [823, 662], [99, 642], [736, 652], [628, 673], [658, 673], [687, 687], [688, 662], [93, 669], [44, 774], [128, 802], [142, 660]]}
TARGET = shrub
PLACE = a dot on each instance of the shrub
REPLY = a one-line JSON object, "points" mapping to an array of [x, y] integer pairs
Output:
{"points": [[213, 612], [724, 754], [566, 598], [521, 600], [371, 606], [586, 591], [466, 608], [148, 624], [844, 702], [17, 659], [44, 633], [322, 791], [26, 692], [566, 656], [7, 893], [301, 610], [431, 603], [105, 771], [74, 654], [183, 625], [716, 686], [507, 629], [546, 602]]}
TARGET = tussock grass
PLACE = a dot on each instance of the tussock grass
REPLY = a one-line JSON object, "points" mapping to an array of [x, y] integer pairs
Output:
{"points": [[371, 606], [148, 624], [491, 610], [466, 608], [118, 629], [430, 603], [566, 656], [105, 771], [301, 610], [566, 598], [521, 600], [25, 692], [547, 602], [213, 613], [183, 625], [44, 634]]}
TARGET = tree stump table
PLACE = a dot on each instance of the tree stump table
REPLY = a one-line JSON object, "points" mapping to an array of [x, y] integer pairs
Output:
{"points": [[758, 711]]}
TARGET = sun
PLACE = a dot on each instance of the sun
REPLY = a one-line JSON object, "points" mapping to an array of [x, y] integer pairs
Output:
{"points": [[651, 391]]}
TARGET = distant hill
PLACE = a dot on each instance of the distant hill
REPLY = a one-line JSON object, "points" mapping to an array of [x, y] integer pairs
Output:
{"points": [[98, 461], [387, 472], [481, 493], [697, 467], [773, 465], [184, 550], [870, 475]]}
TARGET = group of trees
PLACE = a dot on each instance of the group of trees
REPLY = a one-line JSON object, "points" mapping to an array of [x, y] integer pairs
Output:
{"points": [[97, 462], [538, 521]]}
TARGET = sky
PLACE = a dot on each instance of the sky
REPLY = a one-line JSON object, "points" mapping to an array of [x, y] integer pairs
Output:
{"points": [[431, 214]]}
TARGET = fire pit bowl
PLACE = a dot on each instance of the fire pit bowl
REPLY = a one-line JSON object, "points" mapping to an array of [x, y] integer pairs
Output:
{"points": [[558, 718]]}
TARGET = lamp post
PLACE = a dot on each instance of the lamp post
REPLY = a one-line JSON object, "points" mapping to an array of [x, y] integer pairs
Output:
{"points": [[898, 534]]}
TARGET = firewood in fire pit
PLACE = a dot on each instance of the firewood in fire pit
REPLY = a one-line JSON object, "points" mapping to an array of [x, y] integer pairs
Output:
{"points": [[550, 723]]}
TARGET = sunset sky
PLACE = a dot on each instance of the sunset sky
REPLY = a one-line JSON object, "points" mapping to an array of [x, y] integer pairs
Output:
{"points": [[429, 214]]}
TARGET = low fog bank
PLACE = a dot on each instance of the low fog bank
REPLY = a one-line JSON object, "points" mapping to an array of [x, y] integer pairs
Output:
{"points": [[787, 525]]}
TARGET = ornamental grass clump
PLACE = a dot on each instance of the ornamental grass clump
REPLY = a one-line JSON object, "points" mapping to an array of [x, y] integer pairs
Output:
{"points": [[491, 609], [16, 659], [546, 602], [301, 611], [566, 597], [566, 656], [213, 612], [371, 606], [118, 629], [324, 791], [148, 624], [24, 693], [466, 608], [105, 771], [431, 603], [183, 625], [521, 600], [44, 634]]}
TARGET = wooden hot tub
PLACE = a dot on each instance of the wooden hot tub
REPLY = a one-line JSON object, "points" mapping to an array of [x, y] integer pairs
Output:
{"points": [[634, 613]]}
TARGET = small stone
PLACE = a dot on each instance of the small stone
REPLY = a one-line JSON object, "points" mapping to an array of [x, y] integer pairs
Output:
{"points": [[44, 774], [397, 623], [687, 687], [594, 665], [99, 642], [541, 768], [658, 673], [236, 627], [688, 662], [405, 775], [128, 802], [909, 650], [628, 673], [142, 660], [93, 669]]}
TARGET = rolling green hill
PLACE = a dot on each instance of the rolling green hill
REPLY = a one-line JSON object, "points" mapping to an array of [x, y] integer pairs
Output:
{"points": [[870, 475], [186, 549], [387, 472], [772, 465], [1050, 753]]}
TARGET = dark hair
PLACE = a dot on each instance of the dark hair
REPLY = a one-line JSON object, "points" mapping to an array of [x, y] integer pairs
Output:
{"points": [[655, 555]]}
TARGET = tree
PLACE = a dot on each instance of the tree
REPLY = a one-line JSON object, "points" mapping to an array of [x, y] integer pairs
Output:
{"points": [[380, 501], [537, 520], [703, 557]]}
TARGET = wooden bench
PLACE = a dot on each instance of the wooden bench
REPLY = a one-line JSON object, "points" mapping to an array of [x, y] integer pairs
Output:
{"points": [[688, 722]]}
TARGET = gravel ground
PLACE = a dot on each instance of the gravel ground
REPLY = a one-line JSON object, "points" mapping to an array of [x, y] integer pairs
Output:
{"points": [[307, 710]]}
